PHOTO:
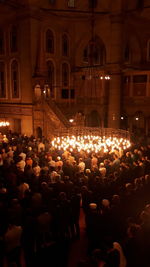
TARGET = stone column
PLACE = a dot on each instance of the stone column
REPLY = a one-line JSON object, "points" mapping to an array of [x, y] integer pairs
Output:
{"points": [[116, 19]]}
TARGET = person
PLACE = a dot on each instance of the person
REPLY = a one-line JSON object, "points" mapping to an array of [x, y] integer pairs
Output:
{"points": [[102, 169], [12, 244]]}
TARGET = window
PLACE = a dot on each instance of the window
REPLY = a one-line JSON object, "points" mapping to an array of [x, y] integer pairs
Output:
{"points": [[50, 75], [2, 80], [148, 50], [49, 42], [14, 79], [65, 93], [72, 93], [1, 42], [65, 74], [65, 45], [94, 53], [13, 40], [71, 3]]}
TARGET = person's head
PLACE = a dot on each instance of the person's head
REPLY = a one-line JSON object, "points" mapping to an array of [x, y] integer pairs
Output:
{"points": [[115, 199], [97, 256], [101, 165], [62, 196], [133, 230], [93, 207], [105, 203]]}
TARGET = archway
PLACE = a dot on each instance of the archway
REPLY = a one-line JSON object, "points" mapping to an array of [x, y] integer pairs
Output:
{"points": [[39, 132]]}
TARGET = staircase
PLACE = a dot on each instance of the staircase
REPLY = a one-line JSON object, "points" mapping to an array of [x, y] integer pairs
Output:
{"points": [[50, 103]]}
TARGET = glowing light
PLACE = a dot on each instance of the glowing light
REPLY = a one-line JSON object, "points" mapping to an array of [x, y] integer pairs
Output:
{"points": [[4, 123], [90, 143], [71, 120]]}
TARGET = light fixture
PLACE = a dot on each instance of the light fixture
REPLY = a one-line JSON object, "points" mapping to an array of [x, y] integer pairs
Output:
{"points": [[122, 118], [101, 77], [4, 123], [136, 118], [71, 120]]}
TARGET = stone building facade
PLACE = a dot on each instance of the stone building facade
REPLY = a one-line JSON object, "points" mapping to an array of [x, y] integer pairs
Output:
{"points": [[69, 59]]}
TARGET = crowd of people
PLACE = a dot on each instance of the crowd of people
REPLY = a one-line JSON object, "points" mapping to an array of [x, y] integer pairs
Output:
{"points": [[43, 189]]}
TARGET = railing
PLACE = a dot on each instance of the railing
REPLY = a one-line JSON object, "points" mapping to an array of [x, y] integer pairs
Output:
{"points": [[97, 131], [57, 112]]}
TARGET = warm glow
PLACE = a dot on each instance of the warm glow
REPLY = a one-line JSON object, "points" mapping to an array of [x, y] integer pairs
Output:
{"points": [[90, 143], [4, 123]]}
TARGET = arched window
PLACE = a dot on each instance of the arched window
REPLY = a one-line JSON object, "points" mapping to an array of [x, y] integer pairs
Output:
{"points": [[2, 80], [50, 75], [65, 45], [14, 79], [49, 42], [1, 42], [94, 53], [13, 40], [97, 54], [65, 74], [148, 50]]}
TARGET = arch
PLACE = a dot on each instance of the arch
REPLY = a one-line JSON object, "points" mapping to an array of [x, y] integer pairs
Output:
{"points": [[13, 39], [83, 42], [65, 45], [15, 79], [94, 53], [93, 119], [2, 80], [49, 41]]}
